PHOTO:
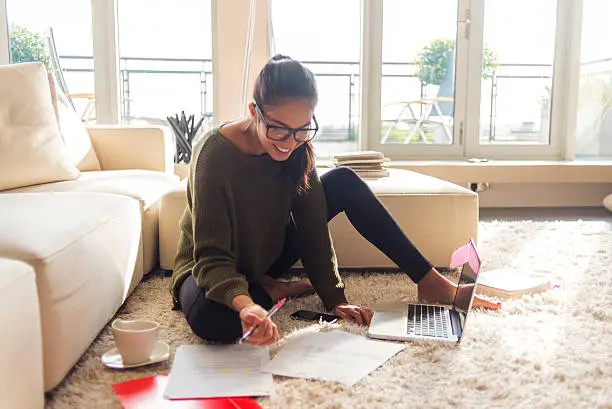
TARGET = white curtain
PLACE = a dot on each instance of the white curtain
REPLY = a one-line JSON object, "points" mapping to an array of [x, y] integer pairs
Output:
{"points": [[250, 71]]}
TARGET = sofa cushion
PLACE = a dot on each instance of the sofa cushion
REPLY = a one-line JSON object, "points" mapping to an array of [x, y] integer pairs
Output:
{"points": [[81, 152], [76, 139], [145, 185], [31, 147], [21, 374], [84, 248], [405, 182]]}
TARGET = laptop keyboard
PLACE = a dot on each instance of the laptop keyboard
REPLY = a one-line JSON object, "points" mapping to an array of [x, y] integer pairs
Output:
{"points": [[427, 321]]}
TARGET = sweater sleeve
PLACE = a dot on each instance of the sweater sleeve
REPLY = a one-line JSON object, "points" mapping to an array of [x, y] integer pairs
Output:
{"points": [[215, 262], [315, 244]]}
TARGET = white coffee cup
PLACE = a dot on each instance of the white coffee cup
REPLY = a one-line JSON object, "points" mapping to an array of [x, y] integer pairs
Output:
{"points": [[135, 339]]}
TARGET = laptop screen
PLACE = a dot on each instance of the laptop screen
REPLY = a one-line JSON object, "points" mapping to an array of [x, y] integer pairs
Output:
{"points": [[467, 281], [466, 289]]}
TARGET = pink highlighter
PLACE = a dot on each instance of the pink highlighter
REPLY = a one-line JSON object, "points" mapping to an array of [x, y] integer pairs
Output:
{"points": [[272, 311]]}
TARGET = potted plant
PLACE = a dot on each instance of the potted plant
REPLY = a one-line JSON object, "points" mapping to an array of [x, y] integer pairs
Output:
{"points": [[436, 61], [186, 132]]}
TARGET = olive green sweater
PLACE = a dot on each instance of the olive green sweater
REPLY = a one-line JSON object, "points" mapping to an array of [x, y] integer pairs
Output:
{"points": [[233, 228]]}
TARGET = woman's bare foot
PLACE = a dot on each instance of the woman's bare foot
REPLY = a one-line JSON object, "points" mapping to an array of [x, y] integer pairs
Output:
{"points": [[437, 289], [280, 289]]}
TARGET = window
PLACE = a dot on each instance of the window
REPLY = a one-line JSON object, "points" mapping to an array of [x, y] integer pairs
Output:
{"points": [[29, 21], [516, 92], [325, 36], [594, 126], [418, 71], [165, 59], [427, 79], [458, 80]]}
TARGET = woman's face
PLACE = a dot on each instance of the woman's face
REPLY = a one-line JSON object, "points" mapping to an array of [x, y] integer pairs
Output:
{"points": [[289, 114]]}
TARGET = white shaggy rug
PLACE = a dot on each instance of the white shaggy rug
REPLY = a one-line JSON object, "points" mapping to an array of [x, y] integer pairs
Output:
{"points": [[551, 350]]}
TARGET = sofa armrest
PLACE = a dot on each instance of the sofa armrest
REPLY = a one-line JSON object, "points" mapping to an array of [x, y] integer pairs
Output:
{"points": [[133, 147]]}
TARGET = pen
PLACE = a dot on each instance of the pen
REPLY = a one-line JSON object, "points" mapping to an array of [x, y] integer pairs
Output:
{"points": [[270, 313]]}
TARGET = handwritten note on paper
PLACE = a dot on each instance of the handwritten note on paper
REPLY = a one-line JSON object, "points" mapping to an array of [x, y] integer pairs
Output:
{"points": [[216, 371], [335, 356]]}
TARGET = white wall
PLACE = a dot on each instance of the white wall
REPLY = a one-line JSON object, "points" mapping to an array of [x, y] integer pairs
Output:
{"points": [[545, 195], [527, 184]]}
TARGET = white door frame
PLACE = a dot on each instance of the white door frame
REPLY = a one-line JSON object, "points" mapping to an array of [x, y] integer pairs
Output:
{"points": [[5, 53], [468, 83], [372, 43], [105, 29], [564, 88]]}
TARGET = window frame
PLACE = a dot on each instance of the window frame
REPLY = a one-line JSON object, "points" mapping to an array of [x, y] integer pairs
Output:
{"points": [[466, 127], [5, 50], [372, 81], [565, 87]]}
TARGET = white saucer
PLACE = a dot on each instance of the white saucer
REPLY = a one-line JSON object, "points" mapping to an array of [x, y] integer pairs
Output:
{"points": [[112, 359]]}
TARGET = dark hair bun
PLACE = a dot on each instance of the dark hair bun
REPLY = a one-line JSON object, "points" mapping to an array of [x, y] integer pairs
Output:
{"points": [[280, 57]]}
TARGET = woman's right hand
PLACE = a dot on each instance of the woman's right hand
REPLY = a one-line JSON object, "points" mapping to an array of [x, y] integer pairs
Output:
{"points": [[266, 333]]}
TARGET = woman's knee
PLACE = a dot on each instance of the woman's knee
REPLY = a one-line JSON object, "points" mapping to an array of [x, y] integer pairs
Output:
{"points": [[343, 184], [341, 176], [212, 321]]}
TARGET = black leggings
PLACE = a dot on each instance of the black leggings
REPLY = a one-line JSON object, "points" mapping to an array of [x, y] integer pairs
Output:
{"points": [[344, 192]]}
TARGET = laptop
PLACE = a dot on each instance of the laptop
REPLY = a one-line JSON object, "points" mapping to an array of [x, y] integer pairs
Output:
{"points": [[399, 321]]}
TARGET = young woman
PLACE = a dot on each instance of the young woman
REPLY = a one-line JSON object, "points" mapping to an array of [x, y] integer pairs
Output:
{"points": [[256, 205]]}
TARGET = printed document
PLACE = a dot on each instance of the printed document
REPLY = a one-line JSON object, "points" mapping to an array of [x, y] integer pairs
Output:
{"points": [[335, 356], [216, 371]]}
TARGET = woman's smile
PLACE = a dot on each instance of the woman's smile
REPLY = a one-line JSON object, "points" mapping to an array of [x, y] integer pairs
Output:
{"points": [[281, 150]]}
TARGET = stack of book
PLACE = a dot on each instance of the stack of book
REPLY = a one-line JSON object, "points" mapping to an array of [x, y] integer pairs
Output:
{"points": [[367, 164]]}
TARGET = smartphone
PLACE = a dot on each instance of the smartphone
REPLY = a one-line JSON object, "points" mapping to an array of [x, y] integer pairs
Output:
{"points": [[305, 315]]}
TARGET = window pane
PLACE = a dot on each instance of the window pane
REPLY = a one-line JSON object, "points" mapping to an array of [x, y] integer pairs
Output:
{"points": [[165, 59], [73, 42], [515, 102], [418, 73], [326, 40], [594, 136]]}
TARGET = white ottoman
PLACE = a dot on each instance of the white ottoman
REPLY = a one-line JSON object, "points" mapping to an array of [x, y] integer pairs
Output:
{"points": [[437, 216], [21, 362]]}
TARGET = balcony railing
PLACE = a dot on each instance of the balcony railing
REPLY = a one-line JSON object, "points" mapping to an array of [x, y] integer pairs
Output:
{"points": [[152, 71], [339, 84]]}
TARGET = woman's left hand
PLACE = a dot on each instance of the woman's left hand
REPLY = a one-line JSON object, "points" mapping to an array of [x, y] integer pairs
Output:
{"points": [[360, 315]]}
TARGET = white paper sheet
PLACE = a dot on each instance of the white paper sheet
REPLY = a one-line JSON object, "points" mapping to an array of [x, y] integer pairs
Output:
{"points": [[335, 356], [215, 371]]}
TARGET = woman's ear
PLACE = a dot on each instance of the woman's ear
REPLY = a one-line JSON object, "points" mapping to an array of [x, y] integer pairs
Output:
{"points": [[252, 110]]}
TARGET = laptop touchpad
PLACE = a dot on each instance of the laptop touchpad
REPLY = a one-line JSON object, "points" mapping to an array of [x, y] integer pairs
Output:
{"points": [[390, 319]]}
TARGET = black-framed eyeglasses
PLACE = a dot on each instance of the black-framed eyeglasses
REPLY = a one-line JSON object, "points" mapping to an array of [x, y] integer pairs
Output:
{"points": [[282, 133]]}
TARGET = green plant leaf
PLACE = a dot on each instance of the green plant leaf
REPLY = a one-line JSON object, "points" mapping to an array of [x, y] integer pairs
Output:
{"points": [[27, 46]]}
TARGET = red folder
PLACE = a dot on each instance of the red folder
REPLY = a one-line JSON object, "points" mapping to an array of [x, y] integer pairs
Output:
{"points": [[149, 393]]}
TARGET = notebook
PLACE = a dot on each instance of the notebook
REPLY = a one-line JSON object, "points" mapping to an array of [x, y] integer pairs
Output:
{"points": [[147, 393]]}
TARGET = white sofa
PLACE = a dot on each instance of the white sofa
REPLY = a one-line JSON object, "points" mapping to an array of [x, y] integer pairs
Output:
{"points": [[83, 238], [21, 375], [135, 162]]}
